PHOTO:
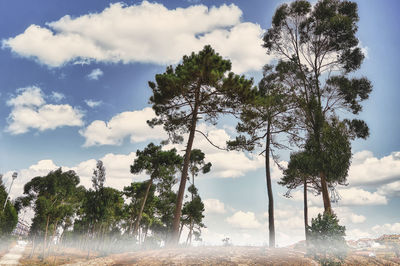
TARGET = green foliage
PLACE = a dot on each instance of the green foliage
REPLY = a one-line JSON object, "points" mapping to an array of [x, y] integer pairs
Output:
{"points": [[193, 214], [200, 85], [54, 197], [8, 216], [327, 243], [315, 44], [99, 176], [331, 152], [266, 111], [135, 193], [156, 162], [197, 163]]}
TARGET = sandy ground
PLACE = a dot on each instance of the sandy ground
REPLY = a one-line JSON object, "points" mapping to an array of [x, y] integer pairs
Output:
{"points": [[14, 255], [202, 256]]}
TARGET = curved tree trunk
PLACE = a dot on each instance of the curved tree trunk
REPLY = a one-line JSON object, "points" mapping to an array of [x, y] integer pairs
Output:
{"points": [[305, 211], [142, 207], [271, 223], [178, 209]]}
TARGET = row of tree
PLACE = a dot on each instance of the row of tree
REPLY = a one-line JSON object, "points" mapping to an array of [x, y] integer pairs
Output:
{"points": [[103, 218]]}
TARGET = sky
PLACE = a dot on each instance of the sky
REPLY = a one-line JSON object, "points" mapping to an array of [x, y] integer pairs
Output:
{"points": [[74, 89]]}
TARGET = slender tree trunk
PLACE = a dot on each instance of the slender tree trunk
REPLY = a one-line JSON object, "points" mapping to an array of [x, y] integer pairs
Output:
{"points": [[130, 224], [145, 234], [182, 185], [188, 237], [180, 230], [45, 236], [271, 223], [142, 207], [191, 218], [325, 194], [305, 210], [33, 246]]}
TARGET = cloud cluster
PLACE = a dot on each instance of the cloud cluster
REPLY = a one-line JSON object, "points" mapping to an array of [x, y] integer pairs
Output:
{"points": [[130, 124], [244, 220], [146, 32], [30, 110]]}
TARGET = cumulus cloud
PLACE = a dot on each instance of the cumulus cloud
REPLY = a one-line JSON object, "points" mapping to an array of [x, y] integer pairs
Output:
{"points": [[29, 110], [92, 103], [214, 206], [366, 169], [133, 125], [244, 220], [126, 124], [95, 74], [391, 189], [146, 32]]}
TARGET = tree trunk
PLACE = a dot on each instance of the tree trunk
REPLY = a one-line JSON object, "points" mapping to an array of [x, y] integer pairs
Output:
{"points": [[52, 238], [305, 210], [45, 236], [325, 194], [271, 224], [178, 209], [142, 207]]}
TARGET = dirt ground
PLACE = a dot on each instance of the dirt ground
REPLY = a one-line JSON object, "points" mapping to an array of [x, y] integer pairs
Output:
{"points": [[201, 256]]}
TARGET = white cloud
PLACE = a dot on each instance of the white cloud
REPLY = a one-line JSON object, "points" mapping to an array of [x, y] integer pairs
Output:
{"points": [[348, 197], [92, 103], [244, 220], [386, 229], [127, 124], [146, 32], [356, 234], [29, 110], [57, 96], [369, 170], [358, 196], [133, 125], [214, 206], [391, 189], [95, 74]]}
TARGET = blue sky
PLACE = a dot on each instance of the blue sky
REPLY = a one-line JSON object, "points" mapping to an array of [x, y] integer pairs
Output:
{"points": [[73, 91]]}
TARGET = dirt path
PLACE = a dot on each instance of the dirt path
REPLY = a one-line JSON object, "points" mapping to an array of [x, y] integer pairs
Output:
{"points": [[15, 253]]}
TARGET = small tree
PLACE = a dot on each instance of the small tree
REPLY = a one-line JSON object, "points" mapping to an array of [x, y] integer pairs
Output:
{"points": [[192, 214], [327, 241], [158, 164], [53, 198], [8, 215], [99, 176]]}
